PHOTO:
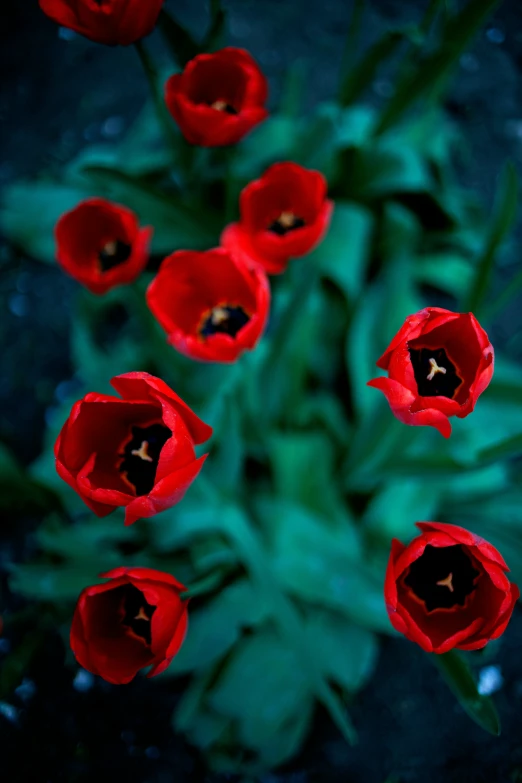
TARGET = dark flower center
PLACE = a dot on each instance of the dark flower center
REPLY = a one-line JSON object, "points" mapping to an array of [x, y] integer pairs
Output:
{"points": [[223, 106], [113, 254], [141, 455], [442, 577], [137, 613], [434, 374], [224, 319], [286, 222]]}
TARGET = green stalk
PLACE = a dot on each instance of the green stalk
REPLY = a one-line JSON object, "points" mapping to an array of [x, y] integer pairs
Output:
{"points": [[153, 80], [461, 682]]}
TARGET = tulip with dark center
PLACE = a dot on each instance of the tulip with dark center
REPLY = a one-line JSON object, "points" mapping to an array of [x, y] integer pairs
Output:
{"points": [[135, 620], [448, 588], [101, 244], [438, 364], [136, 451], [218, 98], [283, 215], [212, 304], [109, 22]]}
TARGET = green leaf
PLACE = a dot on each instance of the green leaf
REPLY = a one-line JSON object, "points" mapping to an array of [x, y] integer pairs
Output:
{"points": [[30, 211], [430, 74], [301, 478], [46, 582], [262, 686], [507, 449], [322, 565], [461, 682], [393, 509], [344, 254], [348, 652], [216, 627], [447, 271], [224, 468], [363, 348], [324, 410], [268, 143], [505, 213], [83, 541], [381, 170]]}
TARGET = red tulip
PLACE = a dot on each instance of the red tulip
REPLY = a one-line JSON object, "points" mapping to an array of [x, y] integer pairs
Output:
{"points": [[136, 451], [448, 588], [101, 245], [438, 364], [105, 21], [284, 214], [218, 98], [137, 619], [211, 304]]}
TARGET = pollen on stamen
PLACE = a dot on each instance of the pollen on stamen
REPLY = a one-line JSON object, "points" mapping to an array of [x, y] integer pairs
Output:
{"points": [[447, 582], [435, 369], [110, 248], [286, 219], [223, 106], [219, 315], [142, 452], [142, 615]]}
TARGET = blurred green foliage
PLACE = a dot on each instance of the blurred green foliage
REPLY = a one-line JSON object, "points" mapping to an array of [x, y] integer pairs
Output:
{"points": [[310, 476]]}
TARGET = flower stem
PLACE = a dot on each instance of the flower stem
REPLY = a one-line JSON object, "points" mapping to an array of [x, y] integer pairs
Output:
{"points": [[153, 80], [457, 674]]}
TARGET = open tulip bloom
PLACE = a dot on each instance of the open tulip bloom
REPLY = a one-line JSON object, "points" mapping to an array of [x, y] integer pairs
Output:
{"points": [[136, 619], [218, 98], [136, 452], [109, 22], [101, 245], [284, 215], [212, 304], [448, 589], [438, 364]]}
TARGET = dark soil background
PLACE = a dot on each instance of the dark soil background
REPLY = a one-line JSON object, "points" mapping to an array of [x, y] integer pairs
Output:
{"points": [[58, 93]]}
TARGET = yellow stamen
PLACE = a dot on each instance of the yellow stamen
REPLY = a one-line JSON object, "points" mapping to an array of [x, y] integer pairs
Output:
{"points": [[435, 369], [141, 615], [286, 219], [110, 248], [142, 452], [219, 314], [219, 105], [447, 583]]}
